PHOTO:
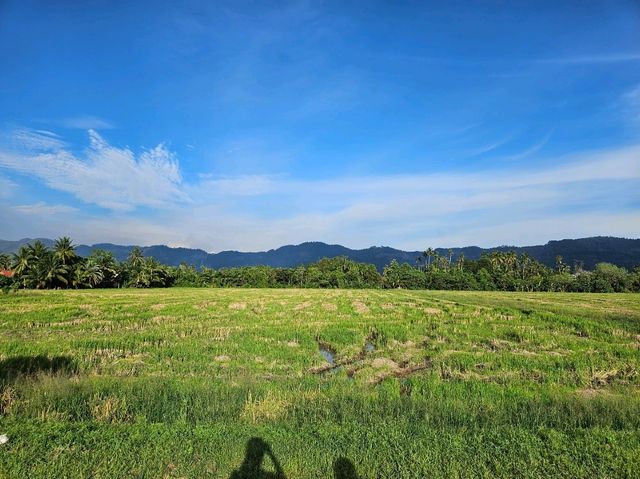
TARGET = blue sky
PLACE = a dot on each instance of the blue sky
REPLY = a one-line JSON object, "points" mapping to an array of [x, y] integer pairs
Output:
{"points": [[246, 125]]}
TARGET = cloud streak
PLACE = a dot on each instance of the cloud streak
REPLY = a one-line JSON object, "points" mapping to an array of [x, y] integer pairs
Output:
{"points": [[41, 208], [577, 195], [86, 122], [34, 140], [631, 101], [603, 59], [7, 187]]}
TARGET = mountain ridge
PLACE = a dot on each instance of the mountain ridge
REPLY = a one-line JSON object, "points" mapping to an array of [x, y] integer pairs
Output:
{"points": [[623, 252]]}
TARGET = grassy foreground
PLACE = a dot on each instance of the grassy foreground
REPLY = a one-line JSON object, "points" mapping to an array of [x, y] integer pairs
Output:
{"points": [[176, 383]]}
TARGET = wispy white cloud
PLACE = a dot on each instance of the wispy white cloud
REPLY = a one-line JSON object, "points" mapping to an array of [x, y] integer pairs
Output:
{"points": [[631, 103], [578, 195], [107, 176], [249, 185], [616, 164], [86, 122], [251, 156], [596, 59], [410, 211], [7, 187], [33, 140], [42, 208], [490, 147], [531, 150]]}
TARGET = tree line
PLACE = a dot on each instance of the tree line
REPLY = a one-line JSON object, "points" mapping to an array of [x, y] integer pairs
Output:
{"points": [[35, 266]]}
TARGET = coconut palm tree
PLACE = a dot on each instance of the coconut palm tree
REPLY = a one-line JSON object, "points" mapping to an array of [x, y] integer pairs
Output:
{"points": [[429, 253], [89, 274], [49, 272], [511, 260], [136, 257], [105, 262], [23, 261], [38, 250], [65, 251]]}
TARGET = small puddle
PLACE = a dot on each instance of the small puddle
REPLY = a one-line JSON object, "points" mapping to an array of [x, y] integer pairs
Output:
{"points": [[327, 352], [328, 355]]}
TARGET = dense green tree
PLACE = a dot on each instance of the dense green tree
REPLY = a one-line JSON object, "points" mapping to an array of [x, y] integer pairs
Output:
{"points": [[485, 281], [5, 261], [583, 281], [561, 282], [609, 278], [634, 280], [403, 276], [35, 266]]}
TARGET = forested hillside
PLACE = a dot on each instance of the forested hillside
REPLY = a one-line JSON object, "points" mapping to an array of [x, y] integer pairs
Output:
{"points": [[585, 251]]}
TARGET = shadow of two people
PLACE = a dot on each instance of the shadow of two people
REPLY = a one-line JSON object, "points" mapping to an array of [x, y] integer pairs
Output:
{"points": [[256, 451]]}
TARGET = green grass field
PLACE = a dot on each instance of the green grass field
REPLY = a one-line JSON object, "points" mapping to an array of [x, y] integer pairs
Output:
{"points": [[175, 382]]}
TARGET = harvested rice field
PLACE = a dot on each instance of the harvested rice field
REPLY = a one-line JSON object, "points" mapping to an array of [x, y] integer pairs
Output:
{"points": [[232, 383]]}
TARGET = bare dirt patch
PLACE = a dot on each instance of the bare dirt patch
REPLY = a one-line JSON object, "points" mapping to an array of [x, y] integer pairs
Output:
{"points": [[238, 306], [68, 323], [258, 308], [398, 371], [204, 305], [496, 345], [219, 334], [554, 353], [303, 305], [162, 318], [524, 352], [330, 307], [90, 309], [360, 307], [380, 363]]}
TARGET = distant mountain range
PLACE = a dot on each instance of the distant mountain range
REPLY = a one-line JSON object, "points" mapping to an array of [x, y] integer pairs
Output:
{"points": [[620, 251]]}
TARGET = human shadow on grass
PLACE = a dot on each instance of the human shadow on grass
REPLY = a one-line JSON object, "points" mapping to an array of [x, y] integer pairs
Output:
{"points": [[343, 468], [251, 467], [258, 449], [17, 367]]}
